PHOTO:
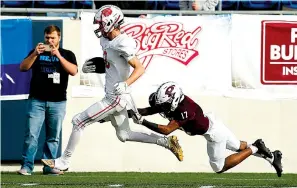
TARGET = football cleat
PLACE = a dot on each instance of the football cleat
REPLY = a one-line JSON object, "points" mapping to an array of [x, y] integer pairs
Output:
{"points": [[262, 149], [51, 171], [277, 162], [175, 148], [51, 163]]}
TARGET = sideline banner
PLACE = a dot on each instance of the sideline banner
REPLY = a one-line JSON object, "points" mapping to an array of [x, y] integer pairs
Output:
{"points": [[264, 55], [191, 50], [14, 84]]}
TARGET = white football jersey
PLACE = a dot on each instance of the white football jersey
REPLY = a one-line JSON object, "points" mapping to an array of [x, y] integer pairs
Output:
{"points": [[116, 54]]}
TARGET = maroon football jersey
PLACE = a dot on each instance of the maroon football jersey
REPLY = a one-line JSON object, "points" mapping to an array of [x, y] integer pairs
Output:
{"points": [[190, 117]]}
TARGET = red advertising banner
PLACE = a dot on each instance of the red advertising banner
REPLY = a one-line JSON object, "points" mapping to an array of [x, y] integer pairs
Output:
{"points": [[279, 52]]}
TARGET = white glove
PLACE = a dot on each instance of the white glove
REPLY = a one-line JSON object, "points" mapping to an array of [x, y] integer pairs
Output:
{"points": [[120, 88], [137, 118], [89, 67]]}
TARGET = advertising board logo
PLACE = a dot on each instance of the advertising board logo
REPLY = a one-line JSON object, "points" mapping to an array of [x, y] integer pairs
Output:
{"points": [[168, 39], [279, 52]]}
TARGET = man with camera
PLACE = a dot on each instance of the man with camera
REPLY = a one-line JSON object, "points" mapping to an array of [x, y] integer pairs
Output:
{"points": [[51, 65]]}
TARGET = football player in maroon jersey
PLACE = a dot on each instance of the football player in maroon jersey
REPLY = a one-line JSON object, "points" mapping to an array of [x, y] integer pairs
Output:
{"points": [[186, 115]]}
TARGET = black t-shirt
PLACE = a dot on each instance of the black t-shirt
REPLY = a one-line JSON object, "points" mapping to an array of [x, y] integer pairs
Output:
{"points": [[44, 68]]}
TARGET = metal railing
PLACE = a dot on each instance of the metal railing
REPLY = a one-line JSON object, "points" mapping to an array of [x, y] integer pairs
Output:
{"points": [[129, 12]]}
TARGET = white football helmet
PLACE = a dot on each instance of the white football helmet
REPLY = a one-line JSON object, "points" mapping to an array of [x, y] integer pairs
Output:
{"points": [[168, 96], [108, 17]]}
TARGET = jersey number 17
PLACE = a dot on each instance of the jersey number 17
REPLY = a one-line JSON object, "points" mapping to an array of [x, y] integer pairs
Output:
{"points": [[184, 115]]}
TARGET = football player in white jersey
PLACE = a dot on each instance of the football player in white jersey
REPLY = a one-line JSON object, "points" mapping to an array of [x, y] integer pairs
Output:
{"points": [[119, 53]]}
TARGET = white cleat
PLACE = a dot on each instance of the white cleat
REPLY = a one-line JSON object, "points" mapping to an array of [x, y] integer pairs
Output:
{"points": [[55, 163]]}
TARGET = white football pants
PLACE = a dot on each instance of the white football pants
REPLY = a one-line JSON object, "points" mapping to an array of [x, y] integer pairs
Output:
{"points": [[112, 108], [219, 138]]}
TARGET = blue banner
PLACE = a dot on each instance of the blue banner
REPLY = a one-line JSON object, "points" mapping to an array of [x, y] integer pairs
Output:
{"points": [[16, 43]]}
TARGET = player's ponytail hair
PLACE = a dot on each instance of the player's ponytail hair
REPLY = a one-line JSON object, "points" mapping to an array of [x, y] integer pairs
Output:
{"points": [[152, 99]]}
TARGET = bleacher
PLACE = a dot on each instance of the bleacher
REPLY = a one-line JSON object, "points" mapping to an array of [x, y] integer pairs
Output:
{"points": [[155, 4], [86, 4]]}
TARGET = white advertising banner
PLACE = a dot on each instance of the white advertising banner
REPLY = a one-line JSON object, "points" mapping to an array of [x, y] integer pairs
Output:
{"points": [[193, 51], [264, 55]]}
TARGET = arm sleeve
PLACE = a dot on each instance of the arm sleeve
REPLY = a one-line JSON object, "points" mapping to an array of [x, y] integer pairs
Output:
{"points": [[127, 49], [144, 111], [71, 57], [148, 111]]}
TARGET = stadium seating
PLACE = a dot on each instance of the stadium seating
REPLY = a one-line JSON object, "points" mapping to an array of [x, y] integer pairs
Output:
{"points": [[260, 5], [170, 4], [53, 4], [290, 4], [155, 4], [17, 4], [86, 4], [152, 4], [230, 4]]}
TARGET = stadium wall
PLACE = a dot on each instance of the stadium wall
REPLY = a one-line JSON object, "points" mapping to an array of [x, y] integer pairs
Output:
{"points": [[249, 119], [273, 120]]}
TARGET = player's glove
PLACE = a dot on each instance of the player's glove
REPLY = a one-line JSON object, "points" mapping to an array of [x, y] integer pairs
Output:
{"points": [[89, 67], [94, 65], [137, 118], [120, 88]]}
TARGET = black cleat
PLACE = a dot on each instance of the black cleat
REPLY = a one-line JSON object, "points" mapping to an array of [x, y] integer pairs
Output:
{"points": [[277, 162], [262, 149]]}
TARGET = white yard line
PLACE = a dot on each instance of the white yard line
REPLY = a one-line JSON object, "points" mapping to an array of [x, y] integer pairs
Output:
{"points": [[249, 179], [234, 186], [116, 185], [29, 184], [203, 186]]}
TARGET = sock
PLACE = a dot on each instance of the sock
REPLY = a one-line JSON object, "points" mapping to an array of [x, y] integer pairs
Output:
{"points": [[142, 137], [254, 149], [163, 141], [248, 145], [72, 142], [261, 156], [148, 138]]}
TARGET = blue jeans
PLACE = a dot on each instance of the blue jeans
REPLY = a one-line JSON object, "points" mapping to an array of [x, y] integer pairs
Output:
{"points": [[39, 112]]}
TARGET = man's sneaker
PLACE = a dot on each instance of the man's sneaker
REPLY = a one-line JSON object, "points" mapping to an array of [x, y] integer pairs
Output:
{"points": [[277, 162], [175, 147], [51, 171], [51, 163], [24, 171], [262, 149]]}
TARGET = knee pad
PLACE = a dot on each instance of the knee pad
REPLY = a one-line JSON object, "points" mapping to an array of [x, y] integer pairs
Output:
{"points": [[218, 165], [75, 119], [122, 135], [76, 122]]}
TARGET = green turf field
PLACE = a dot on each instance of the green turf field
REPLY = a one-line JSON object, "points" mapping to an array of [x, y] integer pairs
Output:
{"points": [[150, 180]]}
